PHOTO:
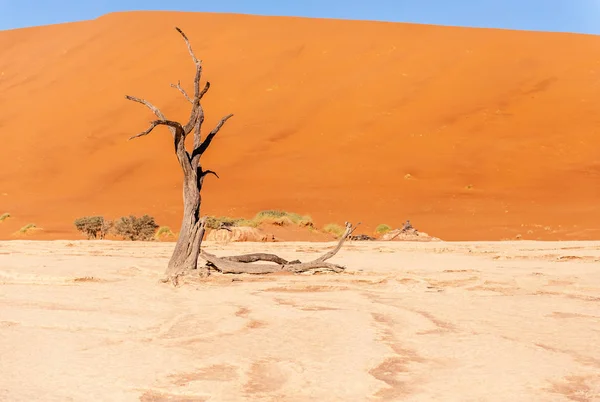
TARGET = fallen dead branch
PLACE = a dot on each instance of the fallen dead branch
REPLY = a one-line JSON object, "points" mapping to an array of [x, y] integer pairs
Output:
{"points": [[242, 264]]}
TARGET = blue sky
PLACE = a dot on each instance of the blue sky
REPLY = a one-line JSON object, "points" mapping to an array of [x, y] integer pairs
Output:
{"points": [[580, 16]]}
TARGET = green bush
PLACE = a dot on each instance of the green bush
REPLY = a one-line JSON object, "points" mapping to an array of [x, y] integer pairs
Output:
{"points": [[4, 217], [134, 228], [27, 228], [164, 231], [383, 229], [282, 218], [334, 229], [213, 222], [94, 227]]}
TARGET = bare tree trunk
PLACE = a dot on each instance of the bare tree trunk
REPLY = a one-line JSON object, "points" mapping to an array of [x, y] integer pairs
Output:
{"points": [[187, 248]]}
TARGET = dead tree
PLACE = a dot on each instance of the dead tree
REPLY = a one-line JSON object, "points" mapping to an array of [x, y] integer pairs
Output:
{"points": [[187, 249]]}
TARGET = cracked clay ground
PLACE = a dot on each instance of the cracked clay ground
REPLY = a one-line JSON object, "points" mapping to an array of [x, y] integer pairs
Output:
{"points": [[518, 321]]}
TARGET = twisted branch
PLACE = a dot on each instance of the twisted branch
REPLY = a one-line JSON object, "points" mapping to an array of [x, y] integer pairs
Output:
{"points": [[173, 124], [149, 105]]}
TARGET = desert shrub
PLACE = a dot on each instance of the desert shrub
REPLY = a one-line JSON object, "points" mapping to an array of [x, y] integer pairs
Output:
{"points": [[134, 228], [213, 222], [275, 217], [94, 227], [334, 229], [4, 216], [164, 231], [27, 228], [282, 218], [271, 213], [107, 227], [249, 223], [382, 229]]}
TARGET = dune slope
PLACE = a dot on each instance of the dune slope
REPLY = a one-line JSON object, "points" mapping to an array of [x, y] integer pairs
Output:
{"points": [[470, 133]]}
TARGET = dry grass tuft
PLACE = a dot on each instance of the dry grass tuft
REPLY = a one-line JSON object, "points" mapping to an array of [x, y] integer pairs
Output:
{"points": [[164, 231], [27, 228], [334, 229], [383, 228]]}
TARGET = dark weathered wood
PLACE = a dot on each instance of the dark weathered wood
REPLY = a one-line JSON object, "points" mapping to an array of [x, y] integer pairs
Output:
{"points": [[178, 130], [206, 143], [207, 172], [255, 257], [315, 266], [226, 266], [240, 264], [204, 90], [187, 249]]}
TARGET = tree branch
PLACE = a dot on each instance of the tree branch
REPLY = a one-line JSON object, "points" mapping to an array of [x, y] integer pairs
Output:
{"points": [[170, 123], [198, 129], [195, 113], [198, 125], [246, 258], [148, 130], [176, 129], [178, 139], [347, 233], [183, 92], [198, 64], [227, 266], [149, 105], [204, 90], [206, 143], [187, 42], [207, 172]]}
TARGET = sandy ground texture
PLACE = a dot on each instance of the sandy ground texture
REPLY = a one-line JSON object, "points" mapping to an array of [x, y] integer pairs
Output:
{"points": [[472, 134], [516, 321]]}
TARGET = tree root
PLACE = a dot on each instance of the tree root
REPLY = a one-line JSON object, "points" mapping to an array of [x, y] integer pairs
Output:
{"points": [[240, 264]]}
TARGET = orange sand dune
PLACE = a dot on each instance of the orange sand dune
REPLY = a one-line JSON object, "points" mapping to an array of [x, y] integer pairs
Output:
{"points": [[470, 133]]}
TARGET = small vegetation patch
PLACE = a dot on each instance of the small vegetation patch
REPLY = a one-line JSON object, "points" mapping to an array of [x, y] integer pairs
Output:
{"points": [[334, 229], [134, 228], [164, 231], [383, 229], [283, 218], [213, 222], [272, 217], [27, 228], [4, 217], [94, 227]]}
